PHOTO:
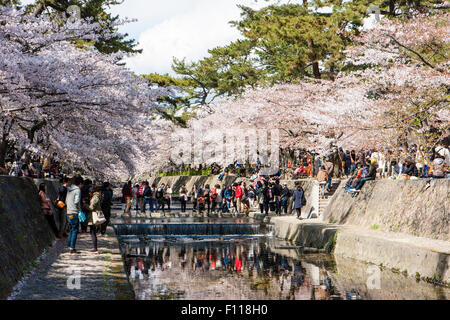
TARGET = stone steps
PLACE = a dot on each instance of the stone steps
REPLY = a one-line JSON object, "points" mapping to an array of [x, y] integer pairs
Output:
{"points": [[323, 202]]}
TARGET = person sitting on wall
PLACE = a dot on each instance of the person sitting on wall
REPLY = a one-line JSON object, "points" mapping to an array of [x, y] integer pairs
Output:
{"points": [[355, 178], [322, 175], [409, 169], [371, 175], [437, 169]]}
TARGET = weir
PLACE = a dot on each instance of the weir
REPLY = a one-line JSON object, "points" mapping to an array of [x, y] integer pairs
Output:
{"points": [[187, 229]]}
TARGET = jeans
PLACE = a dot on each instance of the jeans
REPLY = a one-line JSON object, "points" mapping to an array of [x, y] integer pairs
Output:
{"points": [[73, 222], [277, 205], [284, 204], [183, 204], [93, 232], [107, 213], [361, 183], [264, 208], [161, 203], [150, 204], [299, 212], [328, 186]]}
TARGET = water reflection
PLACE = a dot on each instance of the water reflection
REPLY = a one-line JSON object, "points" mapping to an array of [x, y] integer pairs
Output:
{"points": [[225, 269]]}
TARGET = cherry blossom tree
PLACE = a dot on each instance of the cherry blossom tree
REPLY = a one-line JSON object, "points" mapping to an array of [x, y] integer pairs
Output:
{"points": [[57, 96], [396, 91]]}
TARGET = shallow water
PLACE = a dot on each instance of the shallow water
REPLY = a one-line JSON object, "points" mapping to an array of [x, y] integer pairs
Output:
{"points": [[255, 267]]}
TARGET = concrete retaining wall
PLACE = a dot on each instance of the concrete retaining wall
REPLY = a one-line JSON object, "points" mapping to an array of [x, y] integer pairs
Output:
{"points": [[24, 232], [403, 225], [406, 206]]}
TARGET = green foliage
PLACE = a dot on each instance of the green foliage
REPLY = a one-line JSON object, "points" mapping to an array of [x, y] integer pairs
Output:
{"points": [[176, 108], [226, 71], [96, 9], [188, 173]]}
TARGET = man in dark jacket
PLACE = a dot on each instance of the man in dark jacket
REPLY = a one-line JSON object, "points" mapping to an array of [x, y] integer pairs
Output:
{"points": [[62, 193], [298, 200], [410, 168], [277, 190], [106, 202], [285, 195]]}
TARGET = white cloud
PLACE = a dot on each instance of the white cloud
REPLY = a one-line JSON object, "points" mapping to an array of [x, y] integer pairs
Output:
{"points": [[177, 28], [189, 33]]}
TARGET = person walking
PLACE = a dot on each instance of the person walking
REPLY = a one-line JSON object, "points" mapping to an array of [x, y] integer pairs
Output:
{"points": [[140, 196], [47, 209], [277, 190], [219, 199], [238, 197], [168, 196], [265, 197], [193, 196], [183, 198], [147, 194], [73, 203], [285, 195], [62, 194], [160, 197], [85, 198], [127, 195], [329, 166], [153, 203], [135, 201], [95, 205], [299, 200], [228, 197], [200, 200], [106, 203], [207, 199]]}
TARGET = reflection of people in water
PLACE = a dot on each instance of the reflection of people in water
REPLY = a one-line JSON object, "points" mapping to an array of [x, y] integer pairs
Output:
{"points": [[250, 260]]}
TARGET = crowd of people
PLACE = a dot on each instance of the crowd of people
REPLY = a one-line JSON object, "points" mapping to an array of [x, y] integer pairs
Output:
{"points": [[80, 204], [238, 198], [37, 167]]}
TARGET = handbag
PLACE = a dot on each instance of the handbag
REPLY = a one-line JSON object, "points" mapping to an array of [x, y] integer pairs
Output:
{"points": [[60, 204], [81, 216], [98, 218]]}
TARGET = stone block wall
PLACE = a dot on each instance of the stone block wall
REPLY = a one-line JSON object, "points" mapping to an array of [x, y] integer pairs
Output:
{"points": [[24, 232]]}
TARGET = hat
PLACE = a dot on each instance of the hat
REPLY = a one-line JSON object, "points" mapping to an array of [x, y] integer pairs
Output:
{"points": [[285, 184]]}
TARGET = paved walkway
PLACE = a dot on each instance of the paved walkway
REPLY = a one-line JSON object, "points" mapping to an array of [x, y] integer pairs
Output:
{"points": [[101, 277]]}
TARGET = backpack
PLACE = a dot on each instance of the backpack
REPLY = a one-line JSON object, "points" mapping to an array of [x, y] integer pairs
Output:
{"points": [[303, 199], [147, 192]]}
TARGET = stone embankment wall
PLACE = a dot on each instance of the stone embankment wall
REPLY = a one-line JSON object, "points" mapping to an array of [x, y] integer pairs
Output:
{"points": [[24, 232], [406, 206], [311, 187]]}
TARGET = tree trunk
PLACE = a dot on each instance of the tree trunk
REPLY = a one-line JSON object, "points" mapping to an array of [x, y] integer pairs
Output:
{"points": [[316, 70], [391, 7], [313, 59]]}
